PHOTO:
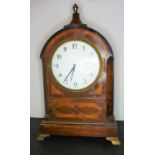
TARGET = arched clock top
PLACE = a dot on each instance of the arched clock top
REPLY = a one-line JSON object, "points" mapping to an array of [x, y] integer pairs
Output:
{"points": [[77, 30], [80, 32]]}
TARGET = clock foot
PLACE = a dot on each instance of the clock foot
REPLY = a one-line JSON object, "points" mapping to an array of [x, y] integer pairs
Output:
{"points": [[41, 137], [114, 140]]}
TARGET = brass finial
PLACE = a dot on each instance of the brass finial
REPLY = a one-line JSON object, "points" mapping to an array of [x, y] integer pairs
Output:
{"points": [[76, 17], [75, 8]]}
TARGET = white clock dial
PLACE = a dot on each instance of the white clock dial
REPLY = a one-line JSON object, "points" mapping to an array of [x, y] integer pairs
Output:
{"points": [[75, 65]]}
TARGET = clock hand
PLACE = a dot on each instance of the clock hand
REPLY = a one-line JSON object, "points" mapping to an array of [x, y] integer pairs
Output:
{"points": [[72, 69], [73, 72]]}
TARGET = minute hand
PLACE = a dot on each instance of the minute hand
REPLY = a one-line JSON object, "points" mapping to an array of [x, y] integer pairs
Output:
{"points": [[71, 77], [72, 69]]}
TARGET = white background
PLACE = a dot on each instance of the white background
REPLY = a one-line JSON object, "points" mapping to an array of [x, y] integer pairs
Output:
{"points": [[49, 16]]}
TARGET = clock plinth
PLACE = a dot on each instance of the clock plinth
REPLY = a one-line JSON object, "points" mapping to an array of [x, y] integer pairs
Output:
{"points": [[108, 129], [78, 83]]}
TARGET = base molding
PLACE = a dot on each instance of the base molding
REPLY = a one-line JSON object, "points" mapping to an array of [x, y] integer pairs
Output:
{"points": [[107, 128]]}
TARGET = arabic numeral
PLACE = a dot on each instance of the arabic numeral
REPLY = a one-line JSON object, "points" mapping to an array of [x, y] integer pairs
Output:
{"points": [[74, 46], [59, 56], [75, 84], [83, 48], [65, 49], [56, 65]]}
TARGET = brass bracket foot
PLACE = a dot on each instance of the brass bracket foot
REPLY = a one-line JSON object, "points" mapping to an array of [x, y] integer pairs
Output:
{"points": [[41, 137], [114, 140]]}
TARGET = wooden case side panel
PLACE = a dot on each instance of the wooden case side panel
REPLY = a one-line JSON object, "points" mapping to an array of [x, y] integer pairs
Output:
{"points": [[109, 86], [46, 87]]}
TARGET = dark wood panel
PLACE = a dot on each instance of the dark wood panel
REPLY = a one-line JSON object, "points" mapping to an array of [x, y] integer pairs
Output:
{"points": [[79, 110], [109, 86]]}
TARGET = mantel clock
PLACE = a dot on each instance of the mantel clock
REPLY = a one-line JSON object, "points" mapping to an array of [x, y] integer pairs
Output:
{"points": [[78, 83]]}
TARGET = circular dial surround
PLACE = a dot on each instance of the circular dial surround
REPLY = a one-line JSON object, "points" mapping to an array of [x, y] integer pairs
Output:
{"points": [[76, 65]]}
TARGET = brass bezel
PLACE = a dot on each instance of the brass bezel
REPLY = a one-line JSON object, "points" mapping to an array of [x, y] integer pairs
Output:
{"points": [[100, 64]]}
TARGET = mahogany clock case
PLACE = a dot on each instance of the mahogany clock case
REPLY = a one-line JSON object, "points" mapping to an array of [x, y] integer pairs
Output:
{"points": [[82, 113]]}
